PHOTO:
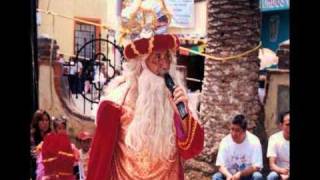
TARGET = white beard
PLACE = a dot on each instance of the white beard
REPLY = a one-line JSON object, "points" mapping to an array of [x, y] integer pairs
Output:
{"points": [[152, 127]]}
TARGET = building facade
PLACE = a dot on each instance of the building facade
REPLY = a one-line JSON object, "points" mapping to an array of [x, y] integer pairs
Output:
{"points": [[275, 22]]}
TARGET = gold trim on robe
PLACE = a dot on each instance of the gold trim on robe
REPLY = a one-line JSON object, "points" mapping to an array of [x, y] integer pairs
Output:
{"points": [[130, 165]]}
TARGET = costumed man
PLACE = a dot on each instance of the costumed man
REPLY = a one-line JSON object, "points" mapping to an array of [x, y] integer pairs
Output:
{"points": [[139, 133]]}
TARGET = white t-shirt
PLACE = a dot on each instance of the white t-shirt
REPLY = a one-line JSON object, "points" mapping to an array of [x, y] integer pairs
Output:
{"points": [[83, 164], [278, 147], [99, 78], [75, 68], [236, 157]]}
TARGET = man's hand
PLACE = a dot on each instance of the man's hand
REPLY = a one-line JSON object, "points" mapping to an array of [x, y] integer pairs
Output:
{"points": [[229, 176], [284, 171], [236, 176], [225, 172], [179, 95], [284, 176], [274, 167]]}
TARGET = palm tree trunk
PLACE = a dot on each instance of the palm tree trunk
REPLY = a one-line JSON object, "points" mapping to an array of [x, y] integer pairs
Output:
{"points": [[230, 87]]}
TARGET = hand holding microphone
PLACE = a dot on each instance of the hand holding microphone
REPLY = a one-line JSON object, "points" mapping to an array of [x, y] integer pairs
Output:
{"points": [[178, 95]]}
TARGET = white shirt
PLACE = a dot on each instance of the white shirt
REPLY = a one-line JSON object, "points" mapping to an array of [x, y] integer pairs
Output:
{"points": [[83, 163], [75, 68], [99, 77], [278, 147], [236, 157]]}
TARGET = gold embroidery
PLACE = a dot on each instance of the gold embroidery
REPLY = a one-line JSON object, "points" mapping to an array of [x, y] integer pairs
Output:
{"points": [[57, 175], [66, 154], [174, 41], [144, 161], [65, 174], [191, 138], [49, 159], [134, 49], [129, 164], [189, 121], [150, 45]]}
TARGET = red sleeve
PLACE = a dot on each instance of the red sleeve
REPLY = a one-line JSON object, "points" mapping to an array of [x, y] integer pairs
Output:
{"points": [[192, 145], [104, 141]]}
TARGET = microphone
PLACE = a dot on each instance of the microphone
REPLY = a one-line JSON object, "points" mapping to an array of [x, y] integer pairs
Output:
{"points": [[171, 86]]}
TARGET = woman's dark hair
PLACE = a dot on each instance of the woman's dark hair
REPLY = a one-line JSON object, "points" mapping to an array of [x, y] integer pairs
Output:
{"points": [[37, 117], [241, 121], [282, 115]]}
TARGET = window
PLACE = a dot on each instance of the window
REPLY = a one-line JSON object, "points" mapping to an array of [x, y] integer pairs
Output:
{"points": [[83, 34]]}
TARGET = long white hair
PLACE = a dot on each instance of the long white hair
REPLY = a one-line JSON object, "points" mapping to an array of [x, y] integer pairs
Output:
{"points": [[152, 127]]}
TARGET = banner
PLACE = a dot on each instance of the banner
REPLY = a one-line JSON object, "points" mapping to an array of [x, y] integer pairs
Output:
{"points": [[272, 5], [182, 13]]}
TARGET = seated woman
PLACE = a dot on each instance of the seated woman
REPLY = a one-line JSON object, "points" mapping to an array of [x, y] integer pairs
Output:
{"points": [[40, 127]]}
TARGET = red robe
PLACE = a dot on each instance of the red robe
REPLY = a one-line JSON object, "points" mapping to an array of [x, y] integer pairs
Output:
{"points": [[103, 146], [58, 157]]}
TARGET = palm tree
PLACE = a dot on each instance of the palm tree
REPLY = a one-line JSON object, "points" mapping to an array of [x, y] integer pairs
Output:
{"points": [[229, 87]]}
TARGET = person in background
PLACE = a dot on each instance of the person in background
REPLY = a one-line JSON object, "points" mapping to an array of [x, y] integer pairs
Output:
{"points": [[61, 59], [84, 138], [40, 127], [240, 154], [99, 79], [278, 150], [75, 76]]}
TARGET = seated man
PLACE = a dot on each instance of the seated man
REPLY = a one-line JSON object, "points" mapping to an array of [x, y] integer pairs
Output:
{"points": [[240, 154], [278, 150]]}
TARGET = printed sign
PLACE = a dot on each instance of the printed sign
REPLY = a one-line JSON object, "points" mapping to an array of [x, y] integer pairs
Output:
{"points": [[182, 13], [272, 5]]}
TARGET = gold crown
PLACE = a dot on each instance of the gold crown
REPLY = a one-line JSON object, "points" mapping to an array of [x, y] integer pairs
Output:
{"points": [[143, 19]]}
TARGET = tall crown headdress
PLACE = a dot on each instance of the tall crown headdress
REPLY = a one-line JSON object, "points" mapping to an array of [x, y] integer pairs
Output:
{"points": [[144, 26]]}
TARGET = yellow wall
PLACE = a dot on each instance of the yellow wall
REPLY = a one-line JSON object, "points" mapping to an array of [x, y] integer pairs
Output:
{"points": [[63, 30], [270, 106], [105, 10], [112, 18]]}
